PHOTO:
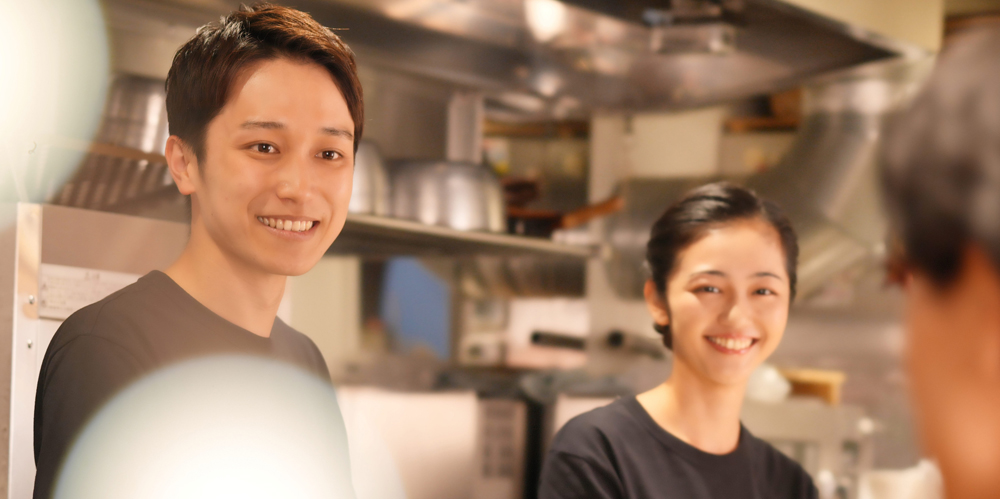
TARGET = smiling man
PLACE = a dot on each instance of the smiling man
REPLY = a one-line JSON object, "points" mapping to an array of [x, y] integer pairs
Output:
{"points": [[265, 113]]}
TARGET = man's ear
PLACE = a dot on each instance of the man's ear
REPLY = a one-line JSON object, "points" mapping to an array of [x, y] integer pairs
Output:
{"points": [[183, 164], [655, 304]]}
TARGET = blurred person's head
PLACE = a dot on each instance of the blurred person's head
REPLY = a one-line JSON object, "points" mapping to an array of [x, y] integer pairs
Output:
{"points": [[723, 267], [265, 112], [941, 180]]}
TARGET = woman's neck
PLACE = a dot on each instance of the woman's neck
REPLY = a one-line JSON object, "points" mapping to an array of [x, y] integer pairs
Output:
{"points": [[702, 413]]}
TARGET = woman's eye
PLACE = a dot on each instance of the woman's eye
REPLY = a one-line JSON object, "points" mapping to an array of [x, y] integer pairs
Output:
{"points": [[764, 291], [330, 155], [709, 289], [263, 148]]}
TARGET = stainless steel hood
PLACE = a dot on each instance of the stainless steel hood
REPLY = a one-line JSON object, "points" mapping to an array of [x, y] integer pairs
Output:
{"points": [[827, 182], [575, 60], [542, 58]]}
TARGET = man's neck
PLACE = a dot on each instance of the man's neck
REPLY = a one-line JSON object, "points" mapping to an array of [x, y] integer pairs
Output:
{"points": [[703, 414], [242, 295]]}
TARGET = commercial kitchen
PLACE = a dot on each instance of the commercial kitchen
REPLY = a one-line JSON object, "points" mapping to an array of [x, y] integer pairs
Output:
{"points": [[488, 284]]}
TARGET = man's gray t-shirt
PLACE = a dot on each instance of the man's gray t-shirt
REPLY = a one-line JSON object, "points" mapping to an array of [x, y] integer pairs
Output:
{"points": [[620, 452], [104, 347]]}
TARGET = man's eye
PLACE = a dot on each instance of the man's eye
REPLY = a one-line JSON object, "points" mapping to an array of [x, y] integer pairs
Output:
{"points": [[263, 148], [330, 155]]}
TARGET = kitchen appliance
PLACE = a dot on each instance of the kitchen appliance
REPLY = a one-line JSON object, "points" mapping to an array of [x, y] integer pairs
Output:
{"points": [[124, 170], [539, 333], [370, 190], [523, 276], [463, 196], [826, 183], [432, 439]]}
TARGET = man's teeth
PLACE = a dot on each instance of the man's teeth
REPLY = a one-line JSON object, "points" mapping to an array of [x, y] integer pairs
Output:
{"points": [[732, 343], [289, 225]]}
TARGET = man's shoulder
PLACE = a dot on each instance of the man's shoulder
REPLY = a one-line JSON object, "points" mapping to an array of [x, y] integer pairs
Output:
{"points": [[109, 318], [300, 347]]}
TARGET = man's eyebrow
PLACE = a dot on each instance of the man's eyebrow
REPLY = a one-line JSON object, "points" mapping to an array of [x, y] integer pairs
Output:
{"points": [[723, 274], [274, 125], [337, 132], [267, 125]]}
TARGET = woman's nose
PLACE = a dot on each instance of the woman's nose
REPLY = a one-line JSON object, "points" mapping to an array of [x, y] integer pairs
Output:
{"points": [[738, 313]]}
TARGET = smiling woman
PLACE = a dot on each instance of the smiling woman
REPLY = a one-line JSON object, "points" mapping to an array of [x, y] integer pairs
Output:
{"points": [[723, 267]]}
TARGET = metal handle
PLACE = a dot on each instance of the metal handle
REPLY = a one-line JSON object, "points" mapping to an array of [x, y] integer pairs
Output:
{"points": [[544, 338], [634, 343]]}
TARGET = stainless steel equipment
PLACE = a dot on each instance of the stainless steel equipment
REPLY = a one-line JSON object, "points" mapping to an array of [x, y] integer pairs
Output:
{"points": [[576, 60], [135, 114], [463, 196], [826, 183], [523, 276], [125, 170], [572, 60], [370, 191]]}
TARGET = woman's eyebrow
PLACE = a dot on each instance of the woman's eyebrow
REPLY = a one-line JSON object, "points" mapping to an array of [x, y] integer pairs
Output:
{"points": [[709, 272]]}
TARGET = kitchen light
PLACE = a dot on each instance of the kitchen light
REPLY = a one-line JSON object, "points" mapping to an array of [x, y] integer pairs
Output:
{"points": [[546, 19]]}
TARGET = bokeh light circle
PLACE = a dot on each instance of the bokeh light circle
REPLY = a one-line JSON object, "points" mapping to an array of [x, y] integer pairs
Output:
{"points": [[54, 65], [216, 427]]}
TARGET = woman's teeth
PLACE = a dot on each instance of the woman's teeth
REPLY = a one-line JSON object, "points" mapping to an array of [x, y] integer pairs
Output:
{"points": [[732, 343], [289, 225]]}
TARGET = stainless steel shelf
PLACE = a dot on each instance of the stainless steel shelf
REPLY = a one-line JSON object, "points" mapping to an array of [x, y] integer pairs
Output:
{"points": [[369, 235]]}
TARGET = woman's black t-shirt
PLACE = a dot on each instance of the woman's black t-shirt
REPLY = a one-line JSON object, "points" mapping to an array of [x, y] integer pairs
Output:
{"points": [[619, 452]]}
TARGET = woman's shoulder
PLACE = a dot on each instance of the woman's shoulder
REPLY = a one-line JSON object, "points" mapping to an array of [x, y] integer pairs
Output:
{"points": [[596, 429], [780, 470]]}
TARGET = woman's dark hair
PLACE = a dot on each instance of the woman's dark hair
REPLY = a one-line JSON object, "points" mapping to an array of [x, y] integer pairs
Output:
{"points": [[704, 208], [941, 160]]}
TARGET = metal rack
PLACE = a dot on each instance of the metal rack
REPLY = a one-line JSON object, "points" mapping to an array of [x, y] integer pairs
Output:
{"points": [[141, 181], [383, 237]]}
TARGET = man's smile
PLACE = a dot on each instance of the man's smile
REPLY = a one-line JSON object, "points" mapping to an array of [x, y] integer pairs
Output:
{"points": [[290, 224]]}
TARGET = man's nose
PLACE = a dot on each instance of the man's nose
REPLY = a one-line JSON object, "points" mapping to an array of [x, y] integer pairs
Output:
{"points": [[294, 180]]}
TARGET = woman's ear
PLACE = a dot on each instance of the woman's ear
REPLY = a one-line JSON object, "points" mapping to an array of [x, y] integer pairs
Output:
{"points": [[183, 164], [657, 308]]}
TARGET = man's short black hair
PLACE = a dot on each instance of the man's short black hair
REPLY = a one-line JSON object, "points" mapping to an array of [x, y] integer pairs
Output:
{"points": [[204, 69], [941, 160]]}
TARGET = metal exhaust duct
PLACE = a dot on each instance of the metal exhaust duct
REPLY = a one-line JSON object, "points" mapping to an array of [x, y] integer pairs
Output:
{"points": [[827, 182]]}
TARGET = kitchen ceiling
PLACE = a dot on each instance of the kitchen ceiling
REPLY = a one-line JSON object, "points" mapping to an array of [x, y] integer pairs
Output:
{"points": [[574, 60]]}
